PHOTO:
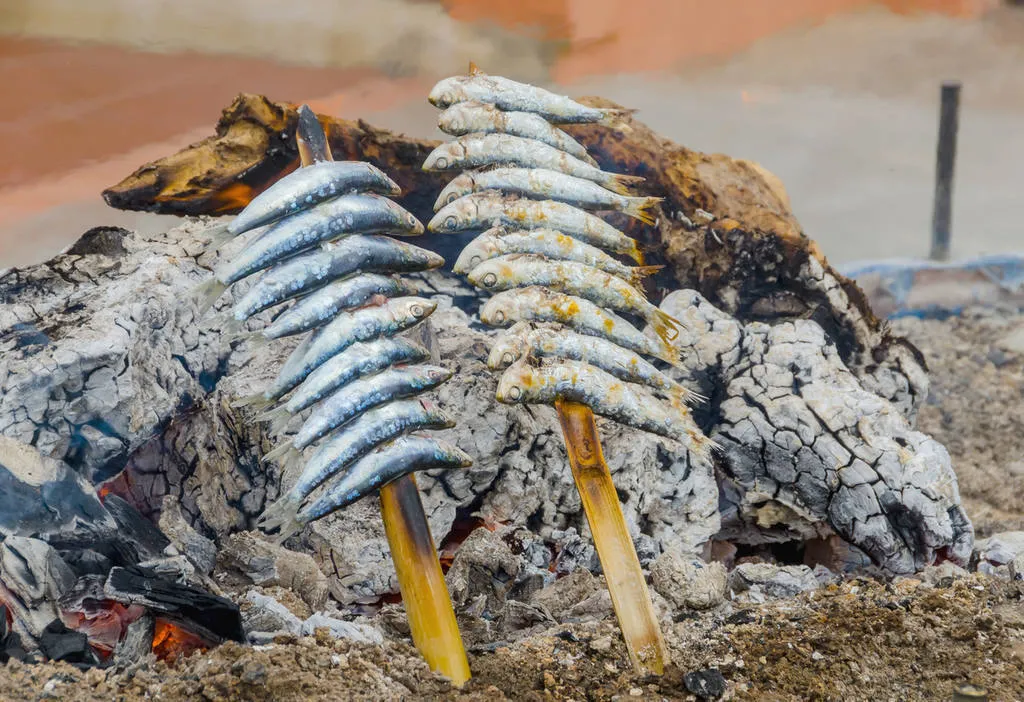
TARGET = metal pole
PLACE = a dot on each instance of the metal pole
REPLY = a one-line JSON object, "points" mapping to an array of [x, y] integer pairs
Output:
{"points": [[949, 118]]}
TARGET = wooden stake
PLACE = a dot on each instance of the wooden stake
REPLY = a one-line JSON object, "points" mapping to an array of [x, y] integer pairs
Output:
{"points": [[626, 584], [427, 602], [428, 605]]}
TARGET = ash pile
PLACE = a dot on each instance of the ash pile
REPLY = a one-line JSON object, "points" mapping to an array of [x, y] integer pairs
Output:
{"points": [[136, 481]]}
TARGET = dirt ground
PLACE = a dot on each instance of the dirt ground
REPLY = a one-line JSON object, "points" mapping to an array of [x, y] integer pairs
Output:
{"points": [[910, 639]]}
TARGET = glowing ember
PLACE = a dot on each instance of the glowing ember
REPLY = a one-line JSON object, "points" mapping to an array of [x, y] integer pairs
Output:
{"points": [[171, 641], [104, 622]]}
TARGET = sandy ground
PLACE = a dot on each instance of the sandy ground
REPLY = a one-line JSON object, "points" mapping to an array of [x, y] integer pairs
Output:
{"points": [[844, 112]]}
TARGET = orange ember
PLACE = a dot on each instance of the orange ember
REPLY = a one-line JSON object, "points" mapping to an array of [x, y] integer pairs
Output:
{"points": [[170, 641]]}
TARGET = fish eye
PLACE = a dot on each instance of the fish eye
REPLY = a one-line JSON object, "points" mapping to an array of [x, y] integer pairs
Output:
{"points": [[507, 358], [411, 219], [514, 392], [499, 317], [441, 162], [489, 280], [475, 260], [451, 222], [416, 310], [452, 197]]}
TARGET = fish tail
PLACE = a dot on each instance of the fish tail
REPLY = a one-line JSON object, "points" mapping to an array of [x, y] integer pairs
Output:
{"points": [[701, 444], [285, 452], [257, 402], [218, 235], [616, 117], [621, 183], [206, 293], [665, 325], [638, 273], [635, 253], [642, 208], [283, 516], [682, 397]]}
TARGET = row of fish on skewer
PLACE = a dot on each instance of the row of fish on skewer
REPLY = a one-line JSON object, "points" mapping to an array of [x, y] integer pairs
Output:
{"points": [[317, 237], [550, 261]]}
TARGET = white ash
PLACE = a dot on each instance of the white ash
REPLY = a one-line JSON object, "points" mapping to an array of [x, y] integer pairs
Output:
{"points": [[759, 582]]}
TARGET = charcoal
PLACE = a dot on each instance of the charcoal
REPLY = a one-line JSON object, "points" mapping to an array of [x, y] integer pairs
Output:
{"points": [[197, 548], [148, 540], [11, 649], [86, 561], [58, 643], [197, 609], [36, 577], [137, 642]]}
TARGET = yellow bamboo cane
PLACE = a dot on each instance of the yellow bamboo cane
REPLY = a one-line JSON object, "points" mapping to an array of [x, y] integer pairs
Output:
{"points": [[428, 605], [625, 579]]}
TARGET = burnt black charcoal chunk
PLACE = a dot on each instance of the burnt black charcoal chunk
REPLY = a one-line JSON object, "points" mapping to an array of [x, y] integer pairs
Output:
{"points": [[12, 648], [58, 643], [197, 609], [706, 684], [149, 541], [86, 562]]}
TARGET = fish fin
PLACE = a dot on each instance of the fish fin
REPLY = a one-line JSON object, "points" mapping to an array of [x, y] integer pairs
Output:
{"points": [[637, 253], [206, 293], [616, 117], [282, 452], [218, 235], [273, 415], [282, 516], [257, 402], [621, 182], [642, 208], [638, 273], [665, 325], [474, 70]]}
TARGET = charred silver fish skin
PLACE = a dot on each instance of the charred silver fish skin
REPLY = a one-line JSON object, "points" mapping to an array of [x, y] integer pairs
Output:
{"points": [[364, 324], [468, 117], [359, 213], [544, 342], [368, 392], [384, 464], [369, 430], [537, 304], [312, 270], [546, 184], [549, 243], [513, 96], [604, 394], [476, 150], [573, 278], [310, 186], [357, 361], [321, 306], [489, 209]]}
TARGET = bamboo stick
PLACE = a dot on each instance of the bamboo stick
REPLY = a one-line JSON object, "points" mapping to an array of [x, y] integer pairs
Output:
{"points": [[625, 579], [428, 605]]}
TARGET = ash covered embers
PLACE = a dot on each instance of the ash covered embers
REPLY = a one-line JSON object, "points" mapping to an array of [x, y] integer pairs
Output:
{"points": [[556, 269], [73, 579], [357, 378]]}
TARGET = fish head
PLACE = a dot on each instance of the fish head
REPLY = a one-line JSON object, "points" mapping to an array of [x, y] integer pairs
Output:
{"points": [[515, 383], [493, 274], [484, 247], [414, 308], [509, 347], [455, 456], [460, 185], [445, 157], [437, 375], [405, 221], [457, 119], [434, 260], [448, 91], [455, 217], [501, 310], [384, 184]]}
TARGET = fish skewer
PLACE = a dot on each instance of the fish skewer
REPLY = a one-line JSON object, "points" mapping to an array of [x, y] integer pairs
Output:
{"points": [[364, 371], [573, 278], [526, 260], [544, 184], [474, 150], [549, 243], [490, 209], [468, 117]]}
